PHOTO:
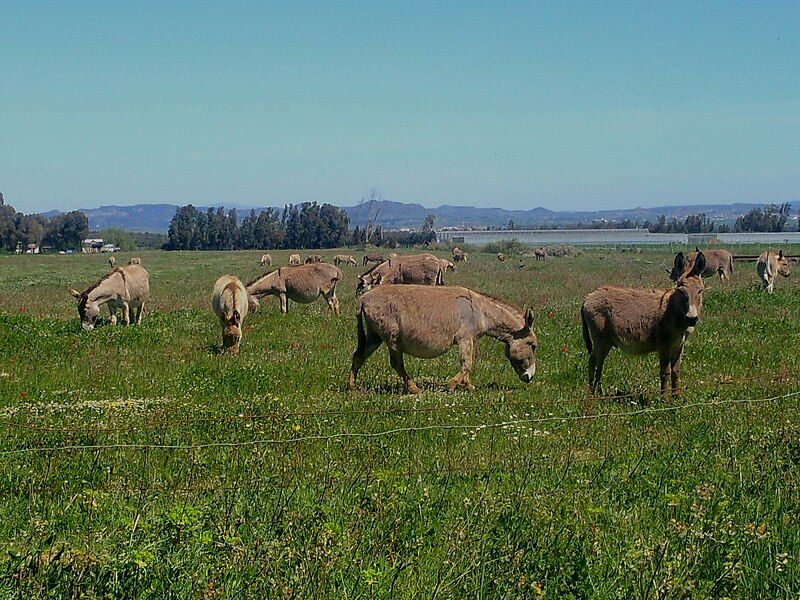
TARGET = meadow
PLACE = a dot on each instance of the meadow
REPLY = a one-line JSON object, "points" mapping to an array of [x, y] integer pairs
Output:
{"points": [[140, 462]]}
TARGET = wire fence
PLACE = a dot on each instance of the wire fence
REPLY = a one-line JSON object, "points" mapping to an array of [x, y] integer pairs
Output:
{"points": [[372, 434]]}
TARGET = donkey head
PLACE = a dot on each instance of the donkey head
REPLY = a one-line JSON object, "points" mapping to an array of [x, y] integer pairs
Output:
{"points": [[688, 295], [232, 333], [783, 264], [521, 349], [88, 311]]}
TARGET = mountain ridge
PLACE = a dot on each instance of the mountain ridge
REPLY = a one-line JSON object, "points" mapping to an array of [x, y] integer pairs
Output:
{"points": [[401, 215]]}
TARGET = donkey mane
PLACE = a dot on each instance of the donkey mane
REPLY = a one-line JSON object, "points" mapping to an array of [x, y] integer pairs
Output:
{"points": [[505, 304], [105, 277]]}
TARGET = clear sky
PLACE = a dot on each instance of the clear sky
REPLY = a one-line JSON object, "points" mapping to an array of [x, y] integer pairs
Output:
{"points": [[584, 105]]}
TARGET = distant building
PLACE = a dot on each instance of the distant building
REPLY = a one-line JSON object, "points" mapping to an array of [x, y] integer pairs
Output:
{"points": [[91, 245]]}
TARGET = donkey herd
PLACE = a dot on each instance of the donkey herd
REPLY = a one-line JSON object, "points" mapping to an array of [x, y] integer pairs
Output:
{"points": [[405, 304]]}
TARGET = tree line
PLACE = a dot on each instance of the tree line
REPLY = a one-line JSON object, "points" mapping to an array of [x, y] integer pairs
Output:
{"points": [[62, 231], [305, 226]]}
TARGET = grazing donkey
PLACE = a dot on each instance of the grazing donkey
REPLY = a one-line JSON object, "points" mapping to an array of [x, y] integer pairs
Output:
{"points": [[501, 257], [426, 321], [459, 255], [135, 260], [112, 262], [126, 288], [540, 253], [345, 259], [718, 262], [266, 260], [231, 303], [302, 283], [294, 259], [421, 269], [641, 321], [313, 258], [372, 257], [769, 265]]}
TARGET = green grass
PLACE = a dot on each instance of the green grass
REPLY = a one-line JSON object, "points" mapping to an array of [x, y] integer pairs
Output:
{"points": [[139, 462]]}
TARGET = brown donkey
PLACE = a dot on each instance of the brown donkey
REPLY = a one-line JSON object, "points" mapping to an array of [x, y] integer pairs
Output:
{"points": [[426, 321], [301, 283], [641, 321]]}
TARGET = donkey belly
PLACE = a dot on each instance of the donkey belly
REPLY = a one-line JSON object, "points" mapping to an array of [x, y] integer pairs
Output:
{"points": [[302, 296], [420, 347]]}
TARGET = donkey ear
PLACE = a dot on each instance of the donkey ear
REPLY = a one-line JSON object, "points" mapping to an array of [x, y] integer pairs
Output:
{"points": [[679, 264], [696, 249], [780, 253], [529, 318], [236, 318], [699, 266], [75, 292]]}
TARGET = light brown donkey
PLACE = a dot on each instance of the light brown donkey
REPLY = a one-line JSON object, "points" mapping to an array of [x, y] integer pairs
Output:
{"points": [[770, 265], [641, 321], [301, 283], [421, 269], [718, 262], [266, 260], [231, 303], [125, 288], [426, 321]]}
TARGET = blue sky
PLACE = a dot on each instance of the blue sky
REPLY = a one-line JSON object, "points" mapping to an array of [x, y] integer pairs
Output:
{"points": [[562, 105]]}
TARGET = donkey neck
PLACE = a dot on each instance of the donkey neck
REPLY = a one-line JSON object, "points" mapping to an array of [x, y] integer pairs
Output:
{"points": [[107, 287], [499, 321], [264, 285]]}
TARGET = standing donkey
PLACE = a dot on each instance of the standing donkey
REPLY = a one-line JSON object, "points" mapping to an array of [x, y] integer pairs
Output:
{"points": [[641, 321], [301, 283], [769, 265]]}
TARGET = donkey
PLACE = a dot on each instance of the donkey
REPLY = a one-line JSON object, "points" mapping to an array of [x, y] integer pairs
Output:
{"points": [[540, 253], [314, 258], [346, 259], [266, 260], [501, 257], [426, 321], [641, 321], [769, 264], [135, 260], [718, 262], [231, 303], [126, 287], [302, 283], [422, 269], [294, 259], [112, 262], [372, 257], [459, 255]]}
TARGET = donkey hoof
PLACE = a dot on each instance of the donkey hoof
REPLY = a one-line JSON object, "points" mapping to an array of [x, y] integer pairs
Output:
{"points": [[413, 388]]}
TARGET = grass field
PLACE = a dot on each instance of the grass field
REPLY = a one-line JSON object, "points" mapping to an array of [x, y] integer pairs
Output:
{"points": [[139, 462]]}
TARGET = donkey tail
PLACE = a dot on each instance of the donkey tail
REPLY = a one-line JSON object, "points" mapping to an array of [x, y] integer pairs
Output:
{"points": [[730, 263], [587, 337]]}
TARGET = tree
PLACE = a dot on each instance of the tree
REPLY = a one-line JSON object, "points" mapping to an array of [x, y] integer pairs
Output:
{"points": [[181, 228], [772, 218], [117, 236]]}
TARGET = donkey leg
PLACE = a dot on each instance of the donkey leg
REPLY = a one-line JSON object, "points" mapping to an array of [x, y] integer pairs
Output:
{"points": [[677, 357], [284, 303], [139, 313], [596, 360], [126, 314], [665, 366], [465, 350], [396, 360], [112, 314], [360, 356]]}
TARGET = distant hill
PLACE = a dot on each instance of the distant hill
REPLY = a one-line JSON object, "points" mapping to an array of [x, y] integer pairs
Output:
{"points": [[399, 215]]}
